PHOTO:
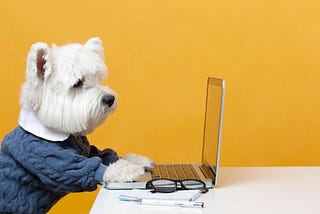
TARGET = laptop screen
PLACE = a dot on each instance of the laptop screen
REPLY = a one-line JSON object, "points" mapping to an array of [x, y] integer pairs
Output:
{"points": [[213, 123]]}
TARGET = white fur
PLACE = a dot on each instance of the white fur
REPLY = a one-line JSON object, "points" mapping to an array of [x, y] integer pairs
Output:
{"points": [[60, 107], [129, 168], [58, 104], [122, 171]]}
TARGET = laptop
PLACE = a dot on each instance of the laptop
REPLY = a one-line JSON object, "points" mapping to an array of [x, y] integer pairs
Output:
{"points": [[208, 170]]}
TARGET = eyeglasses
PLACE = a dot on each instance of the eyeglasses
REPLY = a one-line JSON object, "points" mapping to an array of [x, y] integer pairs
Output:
{"points": [[164, 185]]}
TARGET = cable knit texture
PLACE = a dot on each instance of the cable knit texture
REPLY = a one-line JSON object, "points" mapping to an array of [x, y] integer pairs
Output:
{"points": [[35, 173]]}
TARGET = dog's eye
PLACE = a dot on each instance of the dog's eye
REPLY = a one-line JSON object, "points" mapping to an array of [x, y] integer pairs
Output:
{"points": [[78, 84]]}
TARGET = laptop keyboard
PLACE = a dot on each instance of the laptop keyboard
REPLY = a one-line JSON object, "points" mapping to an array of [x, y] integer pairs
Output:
{"points": [[206, 171], [174, 171]]}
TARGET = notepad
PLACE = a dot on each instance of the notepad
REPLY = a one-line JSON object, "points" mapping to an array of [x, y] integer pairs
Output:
{"points": [[181, 195]]}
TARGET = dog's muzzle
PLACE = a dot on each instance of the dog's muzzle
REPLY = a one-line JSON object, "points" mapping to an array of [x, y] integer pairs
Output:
{"points": [[108, 100]]}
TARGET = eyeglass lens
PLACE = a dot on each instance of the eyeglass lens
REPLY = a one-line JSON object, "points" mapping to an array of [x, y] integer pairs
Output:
{"points": [[192, 184], [164, 185]]}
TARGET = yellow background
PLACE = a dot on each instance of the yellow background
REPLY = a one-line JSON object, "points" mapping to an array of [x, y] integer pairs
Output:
{"points": [[159, 54]]}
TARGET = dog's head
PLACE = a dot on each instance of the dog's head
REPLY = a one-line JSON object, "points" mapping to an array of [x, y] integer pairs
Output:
{"points": [[63, 86]]}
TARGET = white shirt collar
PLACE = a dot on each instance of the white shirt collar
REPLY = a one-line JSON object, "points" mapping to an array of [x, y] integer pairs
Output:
{"points": [[29, 121]]}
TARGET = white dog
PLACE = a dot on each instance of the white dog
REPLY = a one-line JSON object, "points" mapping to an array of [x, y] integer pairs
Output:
{"points": [[48, 155]]}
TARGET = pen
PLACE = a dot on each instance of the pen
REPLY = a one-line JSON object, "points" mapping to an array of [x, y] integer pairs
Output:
{"points": [[191, 204], [162, 202]]}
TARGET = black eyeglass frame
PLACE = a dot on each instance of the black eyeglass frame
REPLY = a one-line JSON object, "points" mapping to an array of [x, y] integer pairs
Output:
{"points": [[150, 185]]}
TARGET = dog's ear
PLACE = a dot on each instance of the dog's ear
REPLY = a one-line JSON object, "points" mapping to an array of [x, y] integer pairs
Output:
{"points": [[37, 60], [95, 45], [38, 67], [41, 61]]}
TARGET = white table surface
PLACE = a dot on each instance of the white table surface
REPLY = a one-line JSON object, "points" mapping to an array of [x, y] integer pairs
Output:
{"points": [[244, 190]]}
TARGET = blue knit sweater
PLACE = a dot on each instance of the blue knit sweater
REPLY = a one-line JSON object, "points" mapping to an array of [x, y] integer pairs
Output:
{"points": [[35, 173]]}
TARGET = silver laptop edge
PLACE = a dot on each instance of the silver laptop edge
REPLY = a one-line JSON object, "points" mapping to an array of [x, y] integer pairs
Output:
{"points": [[220, 132]]}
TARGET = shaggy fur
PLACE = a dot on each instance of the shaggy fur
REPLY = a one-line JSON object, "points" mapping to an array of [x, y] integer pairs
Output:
{"points": [[62, 100]]}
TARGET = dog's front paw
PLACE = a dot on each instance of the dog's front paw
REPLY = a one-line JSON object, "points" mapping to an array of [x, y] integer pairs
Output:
{"points": [[145, 162], [122, 171]]}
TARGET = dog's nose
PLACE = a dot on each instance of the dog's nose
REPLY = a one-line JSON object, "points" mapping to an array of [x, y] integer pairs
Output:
{"points": [[108, 100]]}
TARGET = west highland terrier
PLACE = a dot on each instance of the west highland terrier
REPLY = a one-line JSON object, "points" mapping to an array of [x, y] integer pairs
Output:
{"points": [[48, 156]]}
